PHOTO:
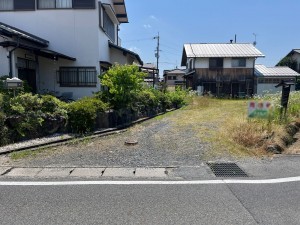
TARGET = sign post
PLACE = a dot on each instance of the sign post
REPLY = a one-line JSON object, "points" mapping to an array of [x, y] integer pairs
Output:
{"points": [[13, 84], [286, 89]]}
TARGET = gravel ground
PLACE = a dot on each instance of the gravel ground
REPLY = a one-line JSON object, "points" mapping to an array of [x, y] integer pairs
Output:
{"points": [[161, 142]]}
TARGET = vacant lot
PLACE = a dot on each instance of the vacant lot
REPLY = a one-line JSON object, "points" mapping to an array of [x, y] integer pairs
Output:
{"points": [[207, 129]]}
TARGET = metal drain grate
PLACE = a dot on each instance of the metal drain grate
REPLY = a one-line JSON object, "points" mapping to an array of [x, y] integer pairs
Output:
{"points": [[226, 170]]}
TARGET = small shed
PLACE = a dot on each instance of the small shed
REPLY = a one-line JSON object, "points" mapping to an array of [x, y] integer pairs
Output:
{"points": [[266, 78]]}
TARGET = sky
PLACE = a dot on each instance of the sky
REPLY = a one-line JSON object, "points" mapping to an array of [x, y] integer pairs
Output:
{"points": [[274, 23]]}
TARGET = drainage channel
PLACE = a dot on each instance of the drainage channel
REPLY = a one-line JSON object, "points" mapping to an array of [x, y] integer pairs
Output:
{"points": [[226, 170]]}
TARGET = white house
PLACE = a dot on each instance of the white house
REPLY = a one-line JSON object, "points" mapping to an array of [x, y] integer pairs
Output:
{"points": [[266, 78], [174, 78], [62, 45], [221, 69]]}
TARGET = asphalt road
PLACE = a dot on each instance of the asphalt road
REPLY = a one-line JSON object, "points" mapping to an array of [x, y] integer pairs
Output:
{"points": [[151, 204]]}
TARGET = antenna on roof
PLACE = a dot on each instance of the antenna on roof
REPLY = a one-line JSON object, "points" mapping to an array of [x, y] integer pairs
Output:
{"points": [[254, 43], [235, 38]]}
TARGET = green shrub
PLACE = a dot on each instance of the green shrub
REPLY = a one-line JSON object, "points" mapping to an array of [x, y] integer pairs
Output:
{"points": [[31, 116], [147, 98], [82, 114], [4, 138], [178, 98], [122, 84]]}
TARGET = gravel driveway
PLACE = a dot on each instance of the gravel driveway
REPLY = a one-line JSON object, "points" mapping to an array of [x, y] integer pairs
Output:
{"points": [[161, 142]]}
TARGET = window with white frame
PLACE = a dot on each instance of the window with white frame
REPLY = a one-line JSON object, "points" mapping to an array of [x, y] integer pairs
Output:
{"points": [[238, 62]]}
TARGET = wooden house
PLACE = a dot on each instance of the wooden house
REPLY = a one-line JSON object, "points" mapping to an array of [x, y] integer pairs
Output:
{"points": [[221, 69]]}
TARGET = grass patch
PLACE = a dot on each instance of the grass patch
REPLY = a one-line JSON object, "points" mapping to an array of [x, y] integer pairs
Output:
{"points": [[223, 124], [25, 154]]}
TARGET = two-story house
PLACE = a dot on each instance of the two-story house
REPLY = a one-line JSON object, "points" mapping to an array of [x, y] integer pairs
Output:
{"points": [[221, 69], [292, 59], [62, 46], [174, 78]]}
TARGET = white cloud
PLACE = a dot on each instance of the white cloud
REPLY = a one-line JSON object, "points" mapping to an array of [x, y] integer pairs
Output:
{"points": [[147, 26], [135, 49], [153, 17]]}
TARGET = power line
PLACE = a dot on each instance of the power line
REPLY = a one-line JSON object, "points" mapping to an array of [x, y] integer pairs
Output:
{"points": [[142, 39]]}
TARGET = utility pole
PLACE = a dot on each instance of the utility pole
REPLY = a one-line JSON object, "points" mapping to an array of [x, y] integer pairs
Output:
{"points": [[157, 57]]}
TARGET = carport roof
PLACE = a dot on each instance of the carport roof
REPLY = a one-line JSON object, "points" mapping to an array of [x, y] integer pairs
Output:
{"points": [[278, 71], [38, 51], [10, 31]]}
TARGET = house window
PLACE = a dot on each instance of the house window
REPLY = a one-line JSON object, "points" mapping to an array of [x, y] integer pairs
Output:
{"points": [[174, 78], [169, 77], [77, 76], [190, 64], [66, 4], [83, 4], [54, 4], [6, 5], [108, 26], [215, 63], [238, 62]]}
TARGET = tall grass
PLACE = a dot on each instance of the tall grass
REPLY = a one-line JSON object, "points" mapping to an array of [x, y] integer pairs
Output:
{"points": [[224, 124]]}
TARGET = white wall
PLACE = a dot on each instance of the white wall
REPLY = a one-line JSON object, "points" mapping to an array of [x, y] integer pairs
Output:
{"points": [[269, 89], [204, 63], [73, 32]]}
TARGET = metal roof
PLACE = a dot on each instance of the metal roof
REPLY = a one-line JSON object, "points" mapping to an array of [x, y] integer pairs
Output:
{"points": [[175, 71], [11, 31], [278, 71], [296, 50], [222, 50]]}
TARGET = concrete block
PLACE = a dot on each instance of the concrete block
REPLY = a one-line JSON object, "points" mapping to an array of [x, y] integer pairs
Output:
{"points": [[23, 172], [4, 169], [151, 172], [55, 172], [119, 172], [87, 172]]}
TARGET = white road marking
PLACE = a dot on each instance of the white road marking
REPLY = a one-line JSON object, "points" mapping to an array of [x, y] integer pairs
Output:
{"points": [[225, 181]]}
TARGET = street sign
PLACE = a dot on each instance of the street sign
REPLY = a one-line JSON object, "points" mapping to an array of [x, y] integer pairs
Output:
{"points": [[259, 109]]}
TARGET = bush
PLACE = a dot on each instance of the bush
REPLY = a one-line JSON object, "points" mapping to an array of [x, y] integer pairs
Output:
{"points": [[147, 98], [123, 83], [82, 114], [31, 116], [178, 98], [4, 139]]}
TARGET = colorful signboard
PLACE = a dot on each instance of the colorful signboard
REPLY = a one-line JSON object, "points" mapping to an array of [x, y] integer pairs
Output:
{"points": [[261, 109]]}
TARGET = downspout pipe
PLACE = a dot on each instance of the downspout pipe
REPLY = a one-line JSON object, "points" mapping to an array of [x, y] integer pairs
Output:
{"points": [[10, 57]]}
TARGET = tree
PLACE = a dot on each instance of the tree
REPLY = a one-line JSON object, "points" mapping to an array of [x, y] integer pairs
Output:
{"points": [[288, 61], [123, 83]]}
